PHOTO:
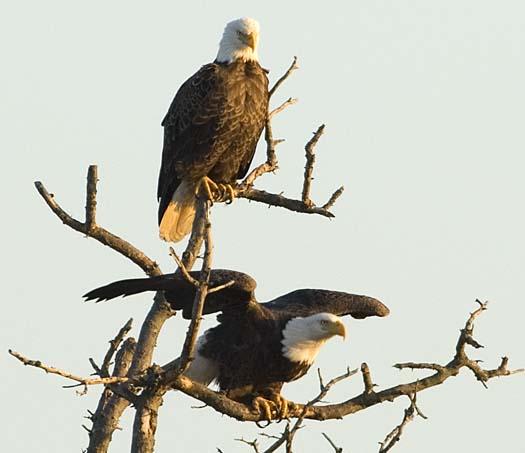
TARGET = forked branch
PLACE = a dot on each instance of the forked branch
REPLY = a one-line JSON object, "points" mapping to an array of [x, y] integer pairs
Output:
{"points": [[90, 227]]}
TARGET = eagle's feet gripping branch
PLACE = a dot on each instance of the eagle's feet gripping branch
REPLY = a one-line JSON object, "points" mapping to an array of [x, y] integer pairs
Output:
{"points": [[215, 192], [272, 407]]}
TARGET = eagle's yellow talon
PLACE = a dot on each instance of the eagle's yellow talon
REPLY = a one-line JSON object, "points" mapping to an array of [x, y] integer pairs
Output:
{"points": [[231, 194], [214, 191], [208, 186], [264, 407]]}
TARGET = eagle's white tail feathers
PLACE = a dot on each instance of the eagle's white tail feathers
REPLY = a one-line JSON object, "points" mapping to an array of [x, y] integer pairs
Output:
{"points": [[202, 369], [177, 220]]}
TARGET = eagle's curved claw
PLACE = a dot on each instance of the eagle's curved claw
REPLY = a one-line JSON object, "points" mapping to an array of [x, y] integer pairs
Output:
{"points": [[207, 187], [226, 193], [273, 406], [265, 407], [230, 196], [215, 192], [283, 406]]}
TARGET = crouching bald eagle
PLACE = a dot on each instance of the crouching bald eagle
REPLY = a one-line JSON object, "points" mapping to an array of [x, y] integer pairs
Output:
{"points": [[256, 347], [211, 129]]}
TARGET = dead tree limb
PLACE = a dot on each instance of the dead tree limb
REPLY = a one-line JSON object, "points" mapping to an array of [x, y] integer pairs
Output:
{"points": [[112, 403], [200, 295], [84, 381], [146, 416], [394, 436], [332, 443], [90, 228]]}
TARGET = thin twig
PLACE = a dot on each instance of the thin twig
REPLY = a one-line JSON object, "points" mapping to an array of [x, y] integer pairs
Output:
{"points": [[287, 74], [91, 197], [80, 379], [283, 106], [221, 287], [183, 269], [272, 199], [420, 366], [252, 443], [309, 165], [202, 289], [333, 198], [113, 347], [280, 440], [331, 442], [394, 436], [367, 378]]}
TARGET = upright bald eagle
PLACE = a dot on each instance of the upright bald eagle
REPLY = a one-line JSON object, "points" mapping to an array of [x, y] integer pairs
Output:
{"points": [[256, 347], [212, 128]]}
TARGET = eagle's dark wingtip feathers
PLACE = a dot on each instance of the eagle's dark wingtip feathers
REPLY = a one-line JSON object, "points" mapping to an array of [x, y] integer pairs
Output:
{"points": [[364, 306]]}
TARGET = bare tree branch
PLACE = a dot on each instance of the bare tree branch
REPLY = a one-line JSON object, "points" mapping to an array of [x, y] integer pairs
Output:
{"points": [[112, 403], [331, 442], [394, 436], [287, 74], [367, 379], [283, 106], [66, 374], [202, 291], [113, 347], [145, 423], [221, 287], [281, 201], [182, 268], [91, 197], [333, 198], [253, 443], [280, 440], [309, 166], [91, 229]]}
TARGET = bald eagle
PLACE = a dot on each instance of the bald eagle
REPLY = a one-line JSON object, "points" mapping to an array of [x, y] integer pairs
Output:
{"points": [[211, 129], [256, 347]]}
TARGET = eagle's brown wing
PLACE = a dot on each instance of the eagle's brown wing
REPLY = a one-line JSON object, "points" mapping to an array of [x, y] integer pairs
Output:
{"points": [[190, 124], [306, 302], [181, 294]]}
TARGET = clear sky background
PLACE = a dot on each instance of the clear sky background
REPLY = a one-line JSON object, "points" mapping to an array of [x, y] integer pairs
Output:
{"points": [[424, 103]]}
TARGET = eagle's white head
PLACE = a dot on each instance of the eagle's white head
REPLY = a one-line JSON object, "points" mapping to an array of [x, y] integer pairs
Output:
{"points": [[303, 337], [239, 41]]}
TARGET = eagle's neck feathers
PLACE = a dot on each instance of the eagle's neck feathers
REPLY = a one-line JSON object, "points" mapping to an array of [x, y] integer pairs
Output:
{"points": [[229, 53], [298, 344]]}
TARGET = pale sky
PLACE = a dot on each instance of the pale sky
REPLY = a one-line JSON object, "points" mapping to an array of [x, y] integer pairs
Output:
{"points": [[424, 104]]}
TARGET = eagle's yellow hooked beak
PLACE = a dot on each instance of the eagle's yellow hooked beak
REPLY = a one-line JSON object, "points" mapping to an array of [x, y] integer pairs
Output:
{"points": [[338, 328], [250, 40]]}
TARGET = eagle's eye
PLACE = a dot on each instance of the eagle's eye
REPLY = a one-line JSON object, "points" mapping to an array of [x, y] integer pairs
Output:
{"points": [[324, 322]]}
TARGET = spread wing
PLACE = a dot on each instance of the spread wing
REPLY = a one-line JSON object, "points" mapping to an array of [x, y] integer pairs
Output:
{"points": [[180, 293], [306, 302]]}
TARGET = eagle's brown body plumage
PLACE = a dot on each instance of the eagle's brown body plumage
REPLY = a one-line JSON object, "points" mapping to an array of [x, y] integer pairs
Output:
{"points": [[211, 129]]}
